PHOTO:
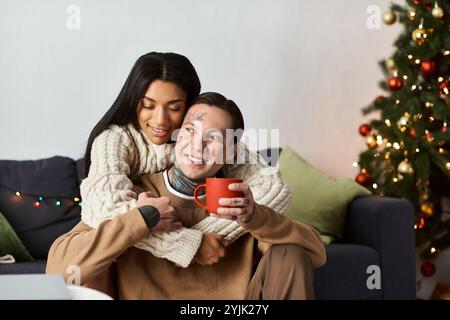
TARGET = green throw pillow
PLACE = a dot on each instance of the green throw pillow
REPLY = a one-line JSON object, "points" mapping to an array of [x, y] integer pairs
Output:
{"points": [[10, 242], [317, 199]]}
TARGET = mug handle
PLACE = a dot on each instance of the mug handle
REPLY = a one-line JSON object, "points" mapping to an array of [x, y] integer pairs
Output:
{"points": [[197, 201]]}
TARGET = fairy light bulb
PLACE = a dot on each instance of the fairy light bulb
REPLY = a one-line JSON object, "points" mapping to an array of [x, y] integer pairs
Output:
{"points": [[37, 204], [18, 193], [58, 203]]}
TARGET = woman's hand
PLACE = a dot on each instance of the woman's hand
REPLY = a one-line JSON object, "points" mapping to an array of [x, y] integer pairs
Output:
{"points": [[168, 220], [242, 209], [211, 249]]}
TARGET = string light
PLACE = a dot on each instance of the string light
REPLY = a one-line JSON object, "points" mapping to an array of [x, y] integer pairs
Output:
{"points": [[379, 140], [375, 186], [355, 164], [39, 198], [448, 165], [433, 250]]}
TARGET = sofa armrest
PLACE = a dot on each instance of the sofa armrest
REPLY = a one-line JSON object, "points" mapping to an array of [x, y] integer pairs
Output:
{"points": [[387, 225]]}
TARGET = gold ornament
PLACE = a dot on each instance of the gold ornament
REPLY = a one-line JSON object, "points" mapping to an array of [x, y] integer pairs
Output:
{"points": [[389, 17], [437, 11], [405, 167], [425, 196], [371, 142], [427, 208], [421, 35]]}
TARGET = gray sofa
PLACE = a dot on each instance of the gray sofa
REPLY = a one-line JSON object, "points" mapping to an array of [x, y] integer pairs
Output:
{"points": [[378, 231]]}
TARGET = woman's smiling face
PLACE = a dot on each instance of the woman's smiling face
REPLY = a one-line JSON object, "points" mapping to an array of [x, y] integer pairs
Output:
{"points": [[161, 110]]}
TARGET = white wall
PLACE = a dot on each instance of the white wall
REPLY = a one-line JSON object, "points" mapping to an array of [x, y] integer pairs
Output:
{"points": [[306, 67]]}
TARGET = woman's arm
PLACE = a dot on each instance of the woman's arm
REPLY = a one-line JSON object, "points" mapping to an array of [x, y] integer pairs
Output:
{"points": [[91, 251], [118, 155], [266, 183]]}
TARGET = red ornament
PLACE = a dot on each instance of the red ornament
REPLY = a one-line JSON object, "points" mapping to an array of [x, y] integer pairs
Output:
{"points": [[444, 87], [379, 98], [37, 204], [412, 133], [363, 179], [364, 130], [428, 268], [395, 83], [428, 67]]}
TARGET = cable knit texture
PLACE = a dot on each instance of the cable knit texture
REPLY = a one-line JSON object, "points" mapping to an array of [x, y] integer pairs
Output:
{"points": [[121, 154]]}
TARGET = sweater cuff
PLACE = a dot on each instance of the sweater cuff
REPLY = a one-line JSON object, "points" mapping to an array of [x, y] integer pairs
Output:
{"points": [[188, 244], [135, 224]]}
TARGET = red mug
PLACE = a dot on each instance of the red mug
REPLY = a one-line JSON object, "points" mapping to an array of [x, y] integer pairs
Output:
{"points": [[216, 188]]}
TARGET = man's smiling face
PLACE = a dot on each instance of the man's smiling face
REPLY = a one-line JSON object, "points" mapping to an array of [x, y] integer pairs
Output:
{"points": [[201, 147]]}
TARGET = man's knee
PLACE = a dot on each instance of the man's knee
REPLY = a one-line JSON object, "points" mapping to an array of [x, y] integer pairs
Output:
{"points": [[290, 253]]}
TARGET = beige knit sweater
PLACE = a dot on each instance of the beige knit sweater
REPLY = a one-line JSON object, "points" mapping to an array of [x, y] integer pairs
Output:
{"points": [[121, 154]]}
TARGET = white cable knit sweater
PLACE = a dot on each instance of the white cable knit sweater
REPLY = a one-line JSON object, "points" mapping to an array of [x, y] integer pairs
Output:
{"points": [[121, 154]]}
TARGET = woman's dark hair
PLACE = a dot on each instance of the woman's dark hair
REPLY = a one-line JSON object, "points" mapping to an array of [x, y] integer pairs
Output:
{"points": [[170, 67], [219, 101]]}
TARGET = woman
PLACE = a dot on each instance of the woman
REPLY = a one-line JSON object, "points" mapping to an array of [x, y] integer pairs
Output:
{"points": [[133, 138]]}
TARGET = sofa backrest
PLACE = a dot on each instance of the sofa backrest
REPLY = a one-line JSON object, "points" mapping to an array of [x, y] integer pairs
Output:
{"points": [[55, 179]]}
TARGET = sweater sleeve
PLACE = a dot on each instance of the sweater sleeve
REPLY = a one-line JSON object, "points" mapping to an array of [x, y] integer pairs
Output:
{"points": [[272, 228], [117, 157], [266, 183], [179, 246], [92, 251]]}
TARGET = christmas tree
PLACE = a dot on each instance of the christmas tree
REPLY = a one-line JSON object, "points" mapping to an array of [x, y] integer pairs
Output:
{"points": [[408, 153]]}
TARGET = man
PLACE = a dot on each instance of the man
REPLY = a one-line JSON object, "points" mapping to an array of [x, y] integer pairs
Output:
{"points": [[275, 259]]}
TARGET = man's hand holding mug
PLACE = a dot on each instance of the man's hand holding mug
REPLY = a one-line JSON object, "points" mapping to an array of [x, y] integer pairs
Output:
{"points": [[227, 199]]}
